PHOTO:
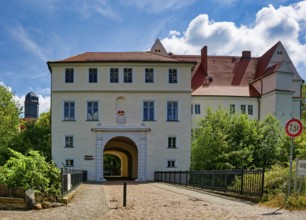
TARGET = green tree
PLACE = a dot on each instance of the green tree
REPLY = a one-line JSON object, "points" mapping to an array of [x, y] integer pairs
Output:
{"points": [[36, 136], [31, 171], [9, 116], [9, 121], [225, 141]]}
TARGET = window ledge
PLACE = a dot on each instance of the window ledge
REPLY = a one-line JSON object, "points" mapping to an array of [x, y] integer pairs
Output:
{"points": [[69, 147], [93, 120], [69, 120], [172, 121]]}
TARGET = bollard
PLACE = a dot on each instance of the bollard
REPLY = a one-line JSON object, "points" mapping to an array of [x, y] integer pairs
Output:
{"points": [[124, 194]]}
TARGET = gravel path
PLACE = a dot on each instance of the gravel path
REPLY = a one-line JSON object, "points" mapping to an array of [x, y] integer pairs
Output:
{"points": [[89, 203], [163, 201]]}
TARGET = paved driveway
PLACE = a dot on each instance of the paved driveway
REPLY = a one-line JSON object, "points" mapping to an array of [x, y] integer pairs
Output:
{"points": [[151, 201]]}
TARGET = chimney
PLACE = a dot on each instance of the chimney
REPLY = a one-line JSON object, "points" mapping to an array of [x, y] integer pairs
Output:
{"points": [[246, 55], [204, 59]]}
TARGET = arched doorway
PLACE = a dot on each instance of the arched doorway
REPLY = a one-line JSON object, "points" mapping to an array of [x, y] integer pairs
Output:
{"points": [[126, 150]]}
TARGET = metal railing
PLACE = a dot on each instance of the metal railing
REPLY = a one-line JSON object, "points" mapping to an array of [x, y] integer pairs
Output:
{"points": [[248, 183], [71, 179]]}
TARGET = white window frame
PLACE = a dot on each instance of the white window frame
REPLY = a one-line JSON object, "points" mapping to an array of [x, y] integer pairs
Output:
{"points": [[172, 118], [197, 109], [69, 159], [232, 109], [87, 116], [172, 142], [64, 110], [250, 110], [171, 78], [65, 75], [69, 141], [143, 109], [171, 163], [110, 74], [153, 75], [243, 109], [127, 75], [89, 73]]}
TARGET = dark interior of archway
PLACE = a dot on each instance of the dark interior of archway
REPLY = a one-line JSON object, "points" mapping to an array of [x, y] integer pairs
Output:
{"points": [[111, 165]]}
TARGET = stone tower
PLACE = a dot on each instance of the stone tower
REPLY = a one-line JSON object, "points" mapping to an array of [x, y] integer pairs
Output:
{"points": [[31, 109]]}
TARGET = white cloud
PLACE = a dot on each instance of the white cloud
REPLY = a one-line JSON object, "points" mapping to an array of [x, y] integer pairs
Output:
{"points": [[156, 6], [226, 38], [22, 36]]}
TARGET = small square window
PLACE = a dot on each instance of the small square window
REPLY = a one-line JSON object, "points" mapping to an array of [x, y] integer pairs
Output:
{"points": [[93, 75], [171, 142], [114, 75], [172, 75], [69, 162], [171, 164], [68, 141], [149, 75], [127, 75], [69, 75]]}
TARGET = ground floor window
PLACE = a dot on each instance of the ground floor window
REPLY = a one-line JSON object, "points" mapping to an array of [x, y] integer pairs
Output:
{"points": [[171, 164], [69, 162]]}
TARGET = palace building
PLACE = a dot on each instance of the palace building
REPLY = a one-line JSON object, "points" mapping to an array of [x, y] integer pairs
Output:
{"points": [[142, 106]]}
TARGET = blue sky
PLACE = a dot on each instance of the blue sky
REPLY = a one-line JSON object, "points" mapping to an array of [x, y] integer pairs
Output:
{"points": [[34, 31]]}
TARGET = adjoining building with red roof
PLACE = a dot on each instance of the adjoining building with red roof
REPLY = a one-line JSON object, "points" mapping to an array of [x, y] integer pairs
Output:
{"points": [[141, 106]]}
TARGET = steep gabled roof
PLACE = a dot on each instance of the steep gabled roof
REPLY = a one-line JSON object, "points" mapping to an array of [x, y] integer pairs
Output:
{"points": [[264, 60]]}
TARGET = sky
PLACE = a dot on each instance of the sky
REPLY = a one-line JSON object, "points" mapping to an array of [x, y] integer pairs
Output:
{"points": [[33, 32]]}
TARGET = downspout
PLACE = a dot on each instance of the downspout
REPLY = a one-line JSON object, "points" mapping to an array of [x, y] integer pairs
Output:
{"points": [[261, 91]]}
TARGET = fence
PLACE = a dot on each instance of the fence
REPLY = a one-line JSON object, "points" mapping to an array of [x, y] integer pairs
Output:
{"points": [[249, 183], [71, 179]]}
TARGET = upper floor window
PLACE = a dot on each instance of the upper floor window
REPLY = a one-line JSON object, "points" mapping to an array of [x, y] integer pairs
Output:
{"points": [[172, 75], [250, 109], [148, 111], [171, 163], [149, 75], [69, 111], [127, 75], [93, 75], [114, 75], [243, 109], [68, 141], [172, 111], [232, 108], [171, 142], [69, 75], [92, 111]]}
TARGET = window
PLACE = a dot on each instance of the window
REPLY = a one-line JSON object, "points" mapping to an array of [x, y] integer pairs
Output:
{"points": [[171, 142], [92, 111], [148, 111], [127, 75], [171, 163], [149, 75], [69, 111], [243, 109], [68, 141], [69, 75], [69, 162], [250, 109], [93, 75], [232, 109], [172, 76], [197, 109], [172, 111], [114, 75]]}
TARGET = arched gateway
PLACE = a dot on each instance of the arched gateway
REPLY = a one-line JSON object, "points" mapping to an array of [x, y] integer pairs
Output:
{"points": [[129, 144]]}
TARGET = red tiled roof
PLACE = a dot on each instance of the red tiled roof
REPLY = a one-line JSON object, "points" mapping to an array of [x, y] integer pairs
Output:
{"points": [[119, 57]]}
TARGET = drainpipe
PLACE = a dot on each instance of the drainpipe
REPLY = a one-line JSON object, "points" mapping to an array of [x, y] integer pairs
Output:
{"points": [[261, 91]]}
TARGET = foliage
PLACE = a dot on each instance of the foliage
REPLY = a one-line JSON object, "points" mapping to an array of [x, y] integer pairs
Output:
{"points": [[31, 171], [225, 141], [112, 164], [36, 136], [276, 189], [9, 118]]}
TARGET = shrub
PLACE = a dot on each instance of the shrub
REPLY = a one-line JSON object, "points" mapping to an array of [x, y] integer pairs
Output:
{"points": [[33, 172]]}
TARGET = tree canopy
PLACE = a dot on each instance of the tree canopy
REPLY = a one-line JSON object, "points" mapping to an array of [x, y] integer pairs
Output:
{"points": [[225, 141]]}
